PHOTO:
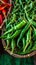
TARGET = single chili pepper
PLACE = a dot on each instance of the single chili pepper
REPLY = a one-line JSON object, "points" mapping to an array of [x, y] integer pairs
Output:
{"points": [[17, 32], [29, 47], [24, 42], [7, 42], [34, 33], [23, 32], [14, 35], [28, 40], [1, 19], [1, 7], [13, 44], [20, 25]]}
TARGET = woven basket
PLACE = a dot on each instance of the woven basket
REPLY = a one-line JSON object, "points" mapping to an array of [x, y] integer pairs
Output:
{"points": [[7, 15], [16, 55]]}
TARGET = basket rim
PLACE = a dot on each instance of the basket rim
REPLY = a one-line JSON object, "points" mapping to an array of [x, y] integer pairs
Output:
{"points": [[21, 56], [7, 16], [16, 55]]}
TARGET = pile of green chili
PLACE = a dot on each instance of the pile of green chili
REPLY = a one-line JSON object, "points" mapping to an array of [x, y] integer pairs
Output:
{"points": [[20, 27]]}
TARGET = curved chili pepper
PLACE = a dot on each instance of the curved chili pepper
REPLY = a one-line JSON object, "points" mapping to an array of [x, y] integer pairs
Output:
{"points": [[1, 7]]}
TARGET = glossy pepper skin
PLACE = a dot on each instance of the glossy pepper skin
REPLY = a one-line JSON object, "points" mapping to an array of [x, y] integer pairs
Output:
{"points": [[4, 6], [1, 19]]}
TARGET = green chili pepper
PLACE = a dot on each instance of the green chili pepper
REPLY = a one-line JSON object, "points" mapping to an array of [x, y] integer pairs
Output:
{"points": [[6, 32], [15, 34], [12, 20], [24, 43], [34, 47], [7, 41], [28, 40], [20, 1], [29, 47], [26, 13], [34, 23], [18, 26], [34, 32], [23, 32], [13, 44]]}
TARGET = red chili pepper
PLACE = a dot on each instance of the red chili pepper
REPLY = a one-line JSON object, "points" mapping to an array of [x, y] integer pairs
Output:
{"points": [[4, 8], [4, 12], [5, 0], [5, 3], [1, 19], [1, 7]]}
